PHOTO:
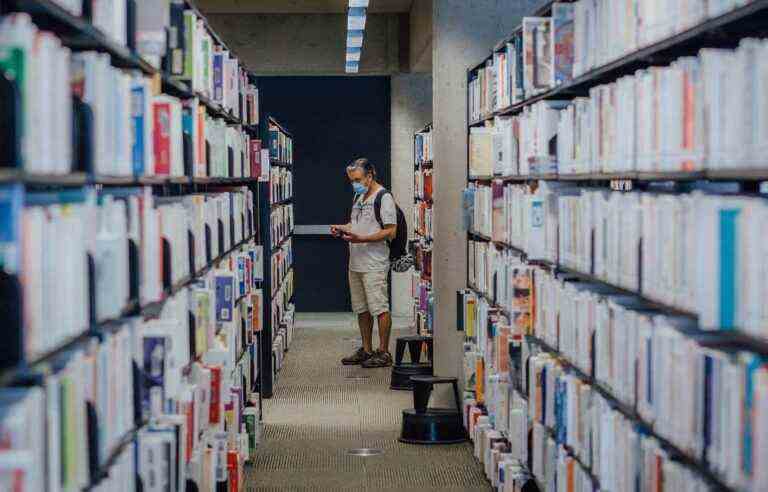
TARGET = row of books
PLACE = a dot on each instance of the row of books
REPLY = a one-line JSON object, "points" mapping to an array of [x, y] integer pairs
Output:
{"points": [[681, 118], [568, 414], [424, 304], [517, 145], [517, 215], [128, 129], [124, 234], [281, 223], [422, 219], [283, 338], [550, 421], [538, 57], [606, 31], [546, 52], [280, 184], [421, 286], [281, 261], [422, 146], [283, 311], [176, 39], [689, 393], [639, 123], [422, 183], [280, 145], [676, 249], [503, 278], [195, 388]]}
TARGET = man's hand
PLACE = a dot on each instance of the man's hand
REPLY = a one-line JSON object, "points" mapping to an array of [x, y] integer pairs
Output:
{"points": [[338, 230], [353, 238]]}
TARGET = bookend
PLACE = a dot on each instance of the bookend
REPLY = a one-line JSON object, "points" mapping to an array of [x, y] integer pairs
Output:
{"points": [[93, 438], [221, 237], [133, 270], [192, 338], [207, 158], [166, 246], [91, 289], [12, 348], [10, 124], [230, 161], [130, 14], [232, 231], [188, 155], [191, 242], [82, 136], [208, 244]]}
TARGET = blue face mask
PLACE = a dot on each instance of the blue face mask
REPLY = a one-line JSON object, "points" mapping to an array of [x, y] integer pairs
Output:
{"points": [[359, 188]]}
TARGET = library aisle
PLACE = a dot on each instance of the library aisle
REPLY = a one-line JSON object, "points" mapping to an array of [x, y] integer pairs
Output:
{"points": [[321, 409]]}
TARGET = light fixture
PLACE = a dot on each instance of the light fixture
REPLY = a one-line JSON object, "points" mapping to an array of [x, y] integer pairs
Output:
{"points": [[353, 54], [355, 39], [356, 19]]}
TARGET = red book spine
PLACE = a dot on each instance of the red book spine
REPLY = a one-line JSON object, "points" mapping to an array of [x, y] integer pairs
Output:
{"points": [[189, 415], [161, 124], [232, 469], [215, 415]]}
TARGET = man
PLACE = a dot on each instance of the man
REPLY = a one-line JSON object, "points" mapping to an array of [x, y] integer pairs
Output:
{"points": [[369, 262]]}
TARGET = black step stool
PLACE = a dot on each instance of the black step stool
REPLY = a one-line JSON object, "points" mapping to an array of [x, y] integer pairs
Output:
{"points": [[402, 372], [424, 425]]}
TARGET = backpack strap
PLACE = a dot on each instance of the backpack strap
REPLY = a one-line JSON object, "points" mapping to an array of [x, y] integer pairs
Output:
{"points": [[377, 205]]}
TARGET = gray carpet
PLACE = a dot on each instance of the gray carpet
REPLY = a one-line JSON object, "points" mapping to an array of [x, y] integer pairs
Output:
{"points": [[319, 411]]}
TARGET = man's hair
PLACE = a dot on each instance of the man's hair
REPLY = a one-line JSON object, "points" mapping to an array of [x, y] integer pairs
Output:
{"points": [[363, 164]]}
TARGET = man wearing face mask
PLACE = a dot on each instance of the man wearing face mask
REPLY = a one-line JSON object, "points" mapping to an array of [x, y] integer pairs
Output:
{"points": [[369, 262]]}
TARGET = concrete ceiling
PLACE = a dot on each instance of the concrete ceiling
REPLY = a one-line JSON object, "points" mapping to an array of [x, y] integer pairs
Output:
{"points": [[299, 6]]}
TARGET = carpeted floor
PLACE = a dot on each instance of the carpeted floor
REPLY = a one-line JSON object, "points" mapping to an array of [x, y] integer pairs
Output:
{"points": [[321, 409]]}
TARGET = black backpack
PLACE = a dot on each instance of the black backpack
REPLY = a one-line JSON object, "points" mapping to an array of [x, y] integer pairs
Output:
{"points": [[399, 258]]}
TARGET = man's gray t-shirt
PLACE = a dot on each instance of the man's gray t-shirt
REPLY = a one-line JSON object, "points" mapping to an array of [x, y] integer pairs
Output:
{"points": [[371, 257]]}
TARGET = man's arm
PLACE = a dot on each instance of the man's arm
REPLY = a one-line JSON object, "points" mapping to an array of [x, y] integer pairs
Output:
{"points": [[389, 232]]}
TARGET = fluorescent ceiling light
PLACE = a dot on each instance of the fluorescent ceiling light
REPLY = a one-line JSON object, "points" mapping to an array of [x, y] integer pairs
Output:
{"points": [[352, 67], [353, 54], [358, 3], [356, 18], [355, 39]]}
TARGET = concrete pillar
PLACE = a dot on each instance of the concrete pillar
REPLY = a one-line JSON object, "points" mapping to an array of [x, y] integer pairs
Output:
{"points": [[411, 110], [464, 32]]}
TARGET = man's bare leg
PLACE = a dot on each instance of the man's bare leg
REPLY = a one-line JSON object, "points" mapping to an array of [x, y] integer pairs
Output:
{"points": [[385, 329], [365, 322]]}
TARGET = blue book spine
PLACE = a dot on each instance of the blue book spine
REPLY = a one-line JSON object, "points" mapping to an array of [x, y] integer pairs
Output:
{"points": [[241, 276], [224, 298], [274, 144], [11, 202], [187, 120], [218, 77], [729, 251], [137, 117]]}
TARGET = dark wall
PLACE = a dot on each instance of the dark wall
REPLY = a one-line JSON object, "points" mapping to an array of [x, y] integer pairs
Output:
{"points": [[333, 121]]}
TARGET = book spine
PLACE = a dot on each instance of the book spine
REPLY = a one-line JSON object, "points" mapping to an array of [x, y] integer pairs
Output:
{"points": [[162, 137], [218, 77], [137, 114]]}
